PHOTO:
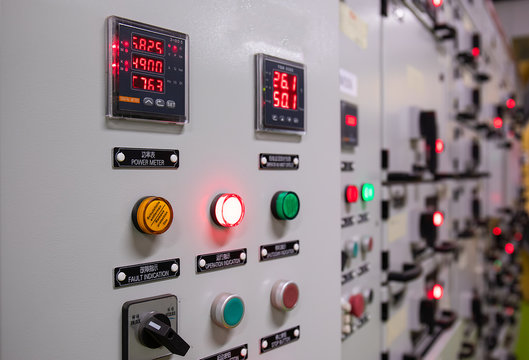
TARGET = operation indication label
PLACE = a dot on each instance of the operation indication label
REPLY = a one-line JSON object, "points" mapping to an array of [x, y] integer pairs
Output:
{"points": [[238, 353], [279, 339], [146, 158], [278, 162], [147, 272], [221, 260], [276, 251]]}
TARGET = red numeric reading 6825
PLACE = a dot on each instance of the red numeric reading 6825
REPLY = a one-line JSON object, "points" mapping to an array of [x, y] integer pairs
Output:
{"points": [[148, 83], [145, 43]]}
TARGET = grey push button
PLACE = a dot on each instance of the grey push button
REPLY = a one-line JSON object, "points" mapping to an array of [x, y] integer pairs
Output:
{"points": [[160, 103], [171, 104], [148, 101]]}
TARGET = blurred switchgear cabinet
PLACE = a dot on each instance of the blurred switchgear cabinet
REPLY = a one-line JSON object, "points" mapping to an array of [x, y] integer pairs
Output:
{"points": [[227, 180]]}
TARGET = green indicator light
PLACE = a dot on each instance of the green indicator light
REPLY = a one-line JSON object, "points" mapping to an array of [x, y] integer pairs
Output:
{"points": [[233, 311], [285, 205], [368, 192]]}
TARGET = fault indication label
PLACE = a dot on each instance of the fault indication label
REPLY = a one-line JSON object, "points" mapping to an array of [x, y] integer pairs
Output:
{"points": [[147, 272], [141, 158]]}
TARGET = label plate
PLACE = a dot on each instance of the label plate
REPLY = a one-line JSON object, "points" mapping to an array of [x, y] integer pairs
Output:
{"points": [[141, 158], [147, 272], [221, 260], [276, 251], [278, 162], [281, 338], [232, 354]]}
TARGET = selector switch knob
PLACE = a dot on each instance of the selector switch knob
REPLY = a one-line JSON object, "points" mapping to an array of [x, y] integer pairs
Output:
{"points": [[357, 305], [227, 310], [285, 205], [351, 247], [152, 215], [155, 331], [367, 244], [284, 295]]}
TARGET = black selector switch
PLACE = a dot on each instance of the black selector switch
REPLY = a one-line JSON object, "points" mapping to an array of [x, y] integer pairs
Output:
{"points": [[155, 331]]}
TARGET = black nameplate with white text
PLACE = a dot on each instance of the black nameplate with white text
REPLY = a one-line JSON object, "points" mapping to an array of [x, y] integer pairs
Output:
{"points": [[279, 339], [140, 158], [276, 251], [278, 162], [221, 260], [237, 353], [147, 272]]}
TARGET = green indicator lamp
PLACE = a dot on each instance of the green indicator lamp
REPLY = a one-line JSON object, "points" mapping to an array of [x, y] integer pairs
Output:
{"points": [[285, 205], [368, 192]]}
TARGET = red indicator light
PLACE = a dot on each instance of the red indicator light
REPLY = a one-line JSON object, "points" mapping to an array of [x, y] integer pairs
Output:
{"points": [[438, 218], [475, 52], [126, 44], [509, 248], [510, 103], [496, 231], [439, 146], [509, 311], [518, 236], [437, 292], [227, 210], [285, 94], [175, 48], [114, 65], [350, 120], [351, 194], [498, 122], [437, 3]]}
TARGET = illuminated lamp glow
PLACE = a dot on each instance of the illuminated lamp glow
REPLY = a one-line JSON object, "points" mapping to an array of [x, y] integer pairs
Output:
{"points": [[437, 292], [509, 311], [438, 218], [498, 122], [439, 146], [175, 48], [437, 3], [475, 52], [518, 236], [126, 44], [228, 210], [496, 231], [510, 103], [350, 120], [351, 194], [509, 248]]}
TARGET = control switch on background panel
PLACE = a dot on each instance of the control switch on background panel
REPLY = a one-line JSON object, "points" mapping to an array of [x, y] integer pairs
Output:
{"points": [[149, 329], [349, 123]]}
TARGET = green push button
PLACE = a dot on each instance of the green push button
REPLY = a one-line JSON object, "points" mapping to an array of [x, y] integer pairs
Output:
{"points": [[233, 311], [368, 192], [285, 205]]}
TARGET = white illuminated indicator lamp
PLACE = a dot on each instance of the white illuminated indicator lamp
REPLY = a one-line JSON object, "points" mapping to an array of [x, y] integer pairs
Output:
{"points": [[438, 218], [227, 210], [437, 292]]}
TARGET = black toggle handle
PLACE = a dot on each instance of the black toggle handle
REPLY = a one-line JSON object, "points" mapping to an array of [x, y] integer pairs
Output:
{"points": [[409, 272], [445, 247], [467, 350], [447, 319], [156, 327]]}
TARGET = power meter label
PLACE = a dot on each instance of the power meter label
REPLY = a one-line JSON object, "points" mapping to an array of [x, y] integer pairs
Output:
{"points": [[141, 158]]}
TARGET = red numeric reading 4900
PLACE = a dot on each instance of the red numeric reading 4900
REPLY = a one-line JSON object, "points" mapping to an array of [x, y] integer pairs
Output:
{"points": [[148, 83], [147, 63]]}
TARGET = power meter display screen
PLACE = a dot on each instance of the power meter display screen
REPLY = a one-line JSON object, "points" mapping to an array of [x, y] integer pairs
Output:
{"points": [[147, 72], [280, 95]]}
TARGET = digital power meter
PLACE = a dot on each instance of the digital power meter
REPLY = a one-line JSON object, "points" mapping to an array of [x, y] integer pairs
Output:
{"points": [[280, 95], [148, 73]]}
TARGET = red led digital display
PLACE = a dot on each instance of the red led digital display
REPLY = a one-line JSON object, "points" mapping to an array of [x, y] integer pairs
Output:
{"points": [[146, 63], [144, 43], [149, 83], [285, 90]]}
